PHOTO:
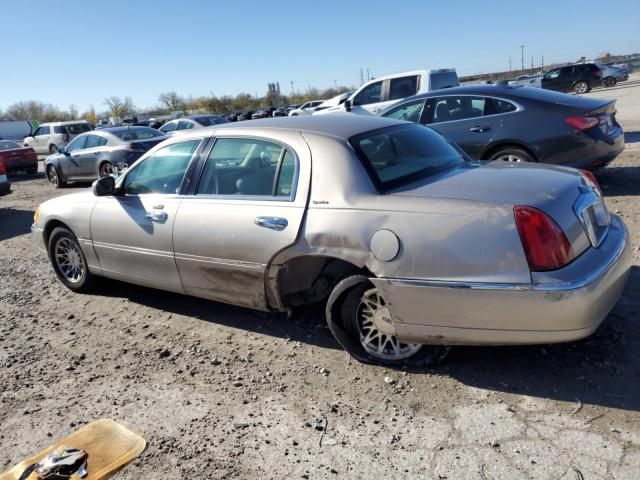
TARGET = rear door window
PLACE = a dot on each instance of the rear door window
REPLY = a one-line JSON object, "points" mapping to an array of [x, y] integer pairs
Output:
{"points": [[248, 167], [502, 106], [184, 125], [403, 87], [94, 141], [448, 109]]}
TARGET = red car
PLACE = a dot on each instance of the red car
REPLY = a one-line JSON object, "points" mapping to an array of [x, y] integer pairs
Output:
{"points": [[14, 157]]}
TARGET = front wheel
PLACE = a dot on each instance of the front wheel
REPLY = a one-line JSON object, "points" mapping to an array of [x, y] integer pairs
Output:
{"points": [[360, 318], [69, 261], [512, 154], [54, 178], [581, 87]]}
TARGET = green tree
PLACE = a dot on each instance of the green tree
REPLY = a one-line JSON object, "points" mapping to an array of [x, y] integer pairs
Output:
{"points": [[171, 100], [119, 107]]}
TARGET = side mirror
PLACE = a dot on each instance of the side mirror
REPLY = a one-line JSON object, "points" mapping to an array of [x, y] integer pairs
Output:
{"points": [[347, 105], [103, 186], [63, 151]]}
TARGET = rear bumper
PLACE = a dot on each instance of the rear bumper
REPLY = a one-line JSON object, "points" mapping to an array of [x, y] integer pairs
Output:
{"points": [[600, 150], [558, 309]]}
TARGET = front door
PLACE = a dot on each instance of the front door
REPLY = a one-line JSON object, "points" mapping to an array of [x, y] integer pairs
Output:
{"points": [[469, 121], [41, 139], [249, 205], [132, 232]]}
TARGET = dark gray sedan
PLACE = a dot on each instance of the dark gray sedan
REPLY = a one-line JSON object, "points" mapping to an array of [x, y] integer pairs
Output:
{"points": [[521, 124], [94, 154]]}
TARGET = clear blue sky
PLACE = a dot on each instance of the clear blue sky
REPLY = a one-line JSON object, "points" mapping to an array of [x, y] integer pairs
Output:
{"points": [[80, 51]]}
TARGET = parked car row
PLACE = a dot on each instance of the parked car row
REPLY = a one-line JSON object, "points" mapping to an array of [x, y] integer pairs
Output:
{"points": [[410, 244]]}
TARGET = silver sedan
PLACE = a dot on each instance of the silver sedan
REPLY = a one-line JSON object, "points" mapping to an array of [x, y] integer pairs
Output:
{"points": [[410, 246]]}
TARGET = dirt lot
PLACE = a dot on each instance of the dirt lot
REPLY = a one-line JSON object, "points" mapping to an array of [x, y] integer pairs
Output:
{"points": [[222, 392]]}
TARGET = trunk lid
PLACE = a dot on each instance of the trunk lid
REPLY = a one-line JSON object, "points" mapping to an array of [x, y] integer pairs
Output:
{"points": [[562, 193]]}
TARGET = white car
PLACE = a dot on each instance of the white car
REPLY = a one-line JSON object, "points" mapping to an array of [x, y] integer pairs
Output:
{"points": [[333, 102], [51, 136], [193, 122], [528, 81], [306, 108], [376, 95]]}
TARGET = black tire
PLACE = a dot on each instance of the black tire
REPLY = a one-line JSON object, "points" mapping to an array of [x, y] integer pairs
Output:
{"points": [[54, 177], [512, 154], [609, 82], [60, 239], [106, 169], [53, 149], [581, 87], [342, 317]]}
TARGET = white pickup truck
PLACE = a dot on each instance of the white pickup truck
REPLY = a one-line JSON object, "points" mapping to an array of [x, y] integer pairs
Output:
{"points": [[376, 95]]}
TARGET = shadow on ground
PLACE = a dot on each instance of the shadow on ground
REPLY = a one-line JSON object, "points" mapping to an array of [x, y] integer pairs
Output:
{"points": [[603, 369], [14, 223], [631, 137], [619, 181]]}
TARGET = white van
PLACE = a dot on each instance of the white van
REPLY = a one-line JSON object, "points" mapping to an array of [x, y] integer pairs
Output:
{"points": [[51, 136], [374, 96]]}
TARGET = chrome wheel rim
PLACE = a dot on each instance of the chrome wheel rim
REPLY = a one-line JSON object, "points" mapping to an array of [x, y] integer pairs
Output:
{"points": [[53, 175], [509, 158], [69, 260], [581, 88], [377, 334]]}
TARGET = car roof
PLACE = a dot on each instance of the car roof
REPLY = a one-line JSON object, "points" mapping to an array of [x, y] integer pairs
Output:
{"points": [[491, 89], [55, 124], [118, 129], [339, 125]]}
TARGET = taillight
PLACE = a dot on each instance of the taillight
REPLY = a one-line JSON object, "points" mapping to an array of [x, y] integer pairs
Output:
{"points": [[590, 179], [545, 244], [3, 171], [597, 72], [582, 123]]}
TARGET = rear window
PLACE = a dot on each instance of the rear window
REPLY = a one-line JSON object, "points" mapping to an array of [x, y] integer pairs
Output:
{"points": [[5, 145], [76, 128], [438, 80], [402, 154], [211, 120], [137, 133]]}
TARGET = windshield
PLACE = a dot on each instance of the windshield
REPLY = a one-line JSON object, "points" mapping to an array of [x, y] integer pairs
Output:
{"points": [[137, 133], [402, 154], [211, 120], [443, 80]]}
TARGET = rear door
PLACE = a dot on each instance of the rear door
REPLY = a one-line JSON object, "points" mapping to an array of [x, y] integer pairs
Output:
{"points": [[469, 121], [249, 204], [88, 157]]}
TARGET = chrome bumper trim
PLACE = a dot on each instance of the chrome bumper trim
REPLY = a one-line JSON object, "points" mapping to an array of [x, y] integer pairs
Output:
{"points": [[544, 287]]}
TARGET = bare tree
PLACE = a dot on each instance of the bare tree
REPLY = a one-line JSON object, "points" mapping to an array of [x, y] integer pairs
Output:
{"points": [[118, 107], [171, 100]]}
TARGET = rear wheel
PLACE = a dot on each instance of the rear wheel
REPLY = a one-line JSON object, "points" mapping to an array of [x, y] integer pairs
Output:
{"points": [[106, 169], [69, 261], [54, 178], [363, 315], [609, 82], [53, 149], [581, 87], [512, 154]]}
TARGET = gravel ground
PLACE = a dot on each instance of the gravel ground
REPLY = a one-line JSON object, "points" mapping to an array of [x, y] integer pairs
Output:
{"points": [[222, 392]]}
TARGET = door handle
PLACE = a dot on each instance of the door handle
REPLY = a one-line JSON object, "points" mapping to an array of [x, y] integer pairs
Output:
{"points": [[159, 217], [479, 129], [274, 223]]}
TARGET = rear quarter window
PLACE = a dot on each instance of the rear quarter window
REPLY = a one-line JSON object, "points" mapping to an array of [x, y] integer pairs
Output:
{"points": [[398, 155]]}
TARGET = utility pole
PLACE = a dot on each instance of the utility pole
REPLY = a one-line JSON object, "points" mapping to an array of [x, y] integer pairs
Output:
{"points": [[509, 64], [522, 56], [542, 63], [335, 83], [292, 88], [531, 62], [361, 77], [368, 76]]}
